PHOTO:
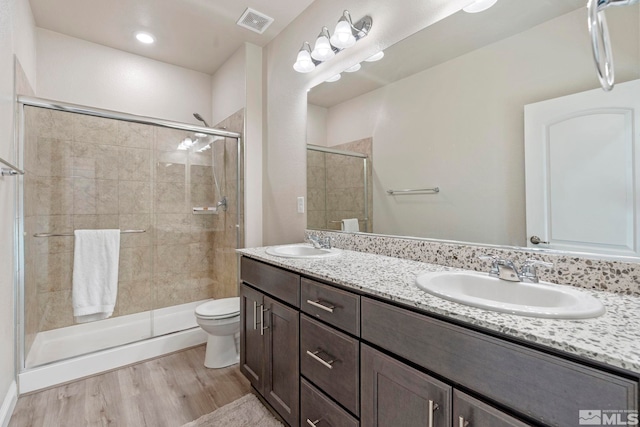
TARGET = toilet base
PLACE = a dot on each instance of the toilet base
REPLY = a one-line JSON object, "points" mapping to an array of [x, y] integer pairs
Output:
{"points": [[222, 351]]}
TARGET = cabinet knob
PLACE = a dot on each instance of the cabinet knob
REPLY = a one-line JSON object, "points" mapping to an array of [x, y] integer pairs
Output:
{"points": [[536, 240]]}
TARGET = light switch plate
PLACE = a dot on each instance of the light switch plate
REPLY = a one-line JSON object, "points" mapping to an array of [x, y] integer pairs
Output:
{"points": [[300, 204]]}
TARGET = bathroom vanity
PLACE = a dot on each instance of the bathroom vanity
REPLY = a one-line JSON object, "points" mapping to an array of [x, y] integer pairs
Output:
{"points": [[352, 341]]}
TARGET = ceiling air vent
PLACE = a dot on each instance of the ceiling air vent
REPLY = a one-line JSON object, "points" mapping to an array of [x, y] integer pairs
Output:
{"points": [[254, 21]]}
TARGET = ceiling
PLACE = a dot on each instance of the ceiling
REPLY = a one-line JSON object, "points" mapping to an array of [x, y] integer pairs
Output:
{"points": [[454, 36], [196, 34]]}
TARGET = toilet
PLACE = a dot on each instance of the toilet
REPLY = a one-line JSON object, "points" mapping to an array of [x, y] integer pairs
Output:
{"points": [[220, 319]]}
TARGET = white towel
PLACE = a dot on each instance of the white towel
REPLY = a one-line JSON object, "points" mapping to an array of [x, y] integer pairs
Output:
{"points": [[350, 224], [95, 274]]}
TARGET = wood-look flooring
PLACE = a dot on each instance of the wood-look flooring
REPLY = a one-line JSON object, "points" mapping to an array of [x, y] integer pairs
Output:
{"points": [[165, 392]]}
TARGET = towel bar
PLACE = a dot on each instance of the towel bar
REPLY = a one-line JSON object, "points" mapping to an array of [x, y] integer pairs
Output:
{"points": [[71, 234], [414, 191], [11, 170]]}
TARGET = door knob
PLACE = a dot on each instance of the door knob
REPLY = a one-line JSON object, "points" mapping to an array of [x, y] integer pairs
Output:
{"points": [[536, 240]]}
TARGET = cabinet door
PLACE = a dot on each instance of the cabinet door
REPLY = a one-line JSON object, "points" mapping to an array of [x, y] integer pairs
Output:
{"points": [[470, 412], [396, 395], [251, 338], [282, 386]]}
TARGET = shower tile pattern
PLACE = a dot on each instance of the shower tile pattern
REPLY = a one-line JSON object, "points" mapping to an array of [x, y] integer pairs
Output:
{"points": [[87, 172]]}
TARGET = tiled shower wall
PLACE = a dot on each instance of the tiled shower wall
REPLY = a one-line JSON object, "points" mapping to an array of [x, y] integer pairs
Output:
{"points": [[86, 172], [335, 187]]}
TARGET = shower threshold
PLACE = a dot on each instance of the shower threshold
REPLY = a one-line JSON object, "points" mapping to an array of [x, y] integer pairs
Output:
{"points": [[174, 329]]}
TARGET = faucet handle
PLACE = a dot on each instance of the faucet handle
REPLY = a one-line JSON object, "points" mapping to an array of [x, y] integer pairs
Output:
{"points": [[529, 271], [495, 272]]}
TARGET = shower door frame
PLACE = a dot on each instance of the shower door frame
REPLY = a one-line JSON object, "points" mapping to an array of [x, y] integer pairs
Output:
{"points": [[365, 162], [23, 101]]}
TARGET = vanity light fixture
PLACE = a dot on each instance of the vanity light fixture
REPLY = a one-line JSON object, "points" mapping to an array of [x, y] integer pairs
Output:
{"points": [[353, 68], [323, 50], [345, 35], [304, 63], [334, 78], [145, 38], [479, 6], [375, 57]]}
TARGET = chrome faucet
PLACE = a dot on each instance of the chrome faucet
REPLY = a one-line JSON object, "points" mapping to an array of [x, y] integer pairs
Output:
{"points": [[506, 269], [320, 242]]}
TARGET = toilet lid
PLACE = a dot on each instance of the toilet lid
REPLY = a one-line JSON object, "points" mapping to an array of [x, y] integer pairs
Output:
{"points": [[220, 308]]}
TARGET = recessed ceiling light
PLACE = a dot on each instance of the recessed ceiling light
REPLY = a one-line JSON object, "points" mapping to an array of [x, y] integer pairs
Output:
{"points": [[479, 6], [145, 38]]}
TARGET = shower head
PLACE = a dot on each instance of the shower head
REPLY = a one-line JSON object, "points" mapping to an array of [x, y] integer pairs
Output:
{"points": [[199, 117]]}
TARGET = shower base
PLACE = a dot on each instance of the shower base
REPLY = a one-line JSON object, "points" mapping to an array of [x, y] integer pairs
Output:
{"points": [[66, 354]]}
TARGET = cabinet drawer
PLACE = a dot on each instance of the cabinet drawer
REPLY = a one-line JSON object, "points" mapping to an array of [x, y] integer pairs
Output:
{"points": [[546, 388], [470, 412], [282, 284], [329, 359], [314, 406], [334, 306]]}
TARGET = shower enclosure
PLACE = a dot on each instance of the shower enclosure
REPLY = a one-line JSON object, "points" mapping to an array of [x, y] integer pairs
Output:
{"points": [[338, 188], [174, 190]]}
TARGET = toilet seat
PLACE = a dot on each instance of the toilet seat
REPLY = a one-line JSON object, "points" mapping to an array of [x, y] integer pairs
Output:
{"points": [[219, 309]]}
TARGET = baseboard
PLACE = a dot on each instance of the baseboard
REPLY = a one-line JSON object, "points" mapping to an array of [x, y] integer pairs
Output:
{"points": [[103, 361], [8, 404]]}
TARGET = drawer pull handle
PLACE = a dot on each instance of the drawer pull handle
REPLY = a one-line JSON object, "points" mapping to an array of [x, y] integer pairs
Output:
{"points": [[432, 408], [462, 422], [312, 423], [262, 327], [318, 304], [315, 356]]}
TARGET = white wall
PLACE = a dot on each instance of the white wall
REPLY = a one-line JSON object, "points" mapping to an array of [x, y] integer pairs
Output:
{"points": [[317, 125], [16, 37], [79, 72], [228, 92], [460, 126], [285, 154], [254, 143]]}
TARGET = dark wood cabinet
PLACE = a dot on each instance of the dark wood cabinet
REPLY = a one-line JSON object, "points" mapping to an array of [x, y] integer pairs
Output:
{"points": [[251, 337], [538, 385], [471, 412], [269, 351], [396, 395], [351, 355], [330, 359]]}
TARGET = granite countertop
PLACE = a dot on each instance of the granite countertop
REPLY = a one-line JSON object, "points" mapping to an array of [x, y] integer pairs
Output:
{"points": [[613, 338]]}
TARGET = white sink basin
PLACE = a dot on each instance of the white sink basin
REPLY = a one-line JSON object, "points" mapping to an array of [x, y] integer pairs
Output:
{"points": [[542, 299], [302, 250]]}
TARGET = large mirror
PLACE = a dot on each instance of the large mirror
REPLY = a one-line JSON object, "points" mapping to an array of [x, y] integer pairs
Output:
{"points": [[446, 108]]}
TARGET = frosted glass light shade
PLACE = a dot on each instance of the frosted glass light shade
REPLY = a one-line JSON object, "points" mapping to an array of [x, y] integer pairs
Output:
{"points": [[322, 50], [353, 68], [304, 63], [342, 37], [334, 78], [479, 6], [376, 57]]}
